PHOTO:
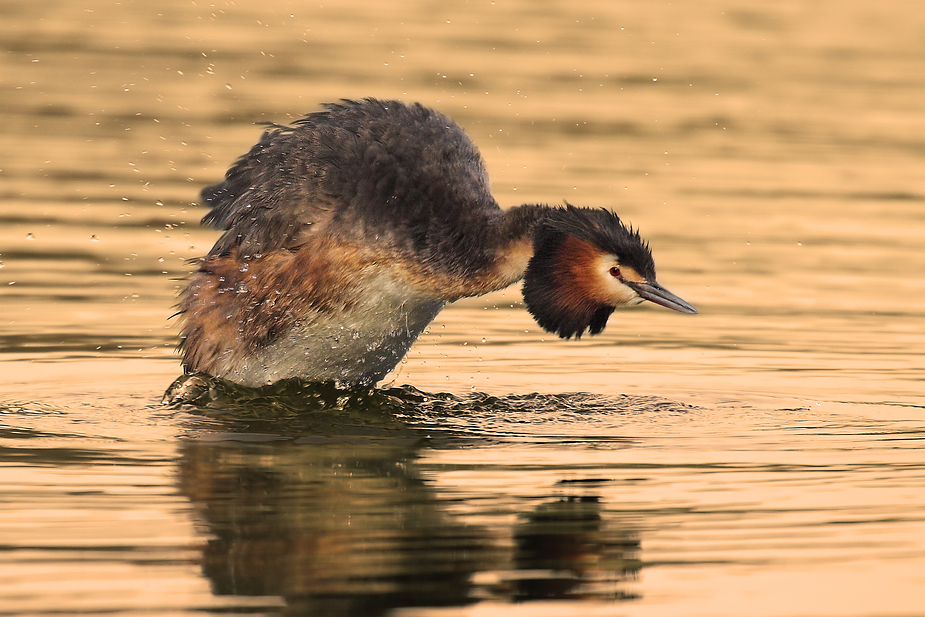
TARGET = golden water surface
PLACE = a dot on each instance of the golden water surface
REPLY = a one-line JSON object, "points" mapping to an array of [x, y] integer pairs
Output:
{"points": [[762, 458]]}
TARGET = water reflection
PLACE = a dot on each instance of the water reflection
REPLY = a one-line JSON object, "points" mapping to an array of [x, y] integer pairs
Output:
{"points": [[329, 511], [565, 550]]}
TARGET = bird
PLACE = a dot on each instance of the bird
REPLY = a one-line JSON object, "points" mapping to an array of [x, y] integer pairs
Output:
{"points": [[346, 232]]}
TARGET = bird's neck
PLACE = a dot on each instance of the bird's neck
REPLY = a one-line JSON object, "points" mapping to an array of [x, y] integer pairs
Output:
{"points": [[496, 256], [520, 222]]}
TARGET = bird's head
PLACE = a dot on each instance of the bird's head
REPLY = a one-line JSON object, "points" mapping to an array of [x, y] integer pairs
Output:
{"points": [[585, 264]]}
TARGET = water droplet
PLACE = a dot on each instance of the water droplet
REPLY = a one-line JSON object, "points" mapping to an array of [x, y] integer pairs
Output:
{"points": [[94, 238], [29, 236]]}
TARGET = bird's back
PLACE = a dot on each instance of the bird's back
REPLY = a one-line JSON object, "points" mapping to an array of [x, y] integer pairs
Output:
{"points": [[376, 171]]}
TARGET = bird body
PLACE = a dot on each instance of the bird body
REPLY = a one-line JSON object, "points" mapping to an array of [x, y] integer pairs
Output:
{"points": [[346, 233]]}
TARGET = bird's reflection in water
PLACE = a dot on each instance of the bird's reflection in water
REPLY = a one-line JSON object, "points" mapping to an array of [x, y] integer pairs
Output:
{"points": [[564, 550], [327, 511], [331, 528]]}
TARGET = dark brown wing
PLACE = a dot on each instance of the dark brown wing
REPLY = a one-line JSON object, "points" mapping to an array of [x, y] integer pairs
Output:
{"points": [[269, 197], [380, 170]]}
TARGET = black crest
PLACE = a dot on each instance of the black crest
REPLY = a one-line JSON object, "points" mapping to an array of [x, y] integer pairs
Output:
{"points": [[604, 230], [560, 302]]}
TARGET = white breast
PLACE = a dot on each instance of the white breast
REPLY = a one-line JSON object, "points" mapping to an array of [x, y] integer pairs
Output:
{"points": [[357, 346]]}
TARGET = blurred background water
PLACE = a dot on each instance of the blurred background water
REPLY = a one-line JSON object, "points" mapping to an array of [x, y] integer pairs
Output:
{"points": [[762, 458]]}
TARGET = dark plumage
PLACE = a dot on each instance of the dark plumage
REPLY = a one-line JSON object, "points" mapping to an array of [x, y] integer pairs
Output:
{"points": [[368, 166], [347, 232]]}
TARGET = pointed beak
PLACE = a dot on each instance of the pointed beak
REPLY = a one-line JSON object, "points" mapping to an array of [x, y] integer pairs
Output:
{"points": [[653, 292]]}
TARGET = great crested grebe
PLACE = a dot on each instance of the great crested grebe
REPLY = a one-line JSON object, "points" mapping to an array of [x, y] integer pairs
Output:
{"points": [[348, 231]]}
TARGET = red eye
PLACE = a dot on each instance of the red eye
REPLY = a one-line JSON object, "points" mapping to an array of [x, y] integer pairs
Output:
{"points": [[615, 272]]}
